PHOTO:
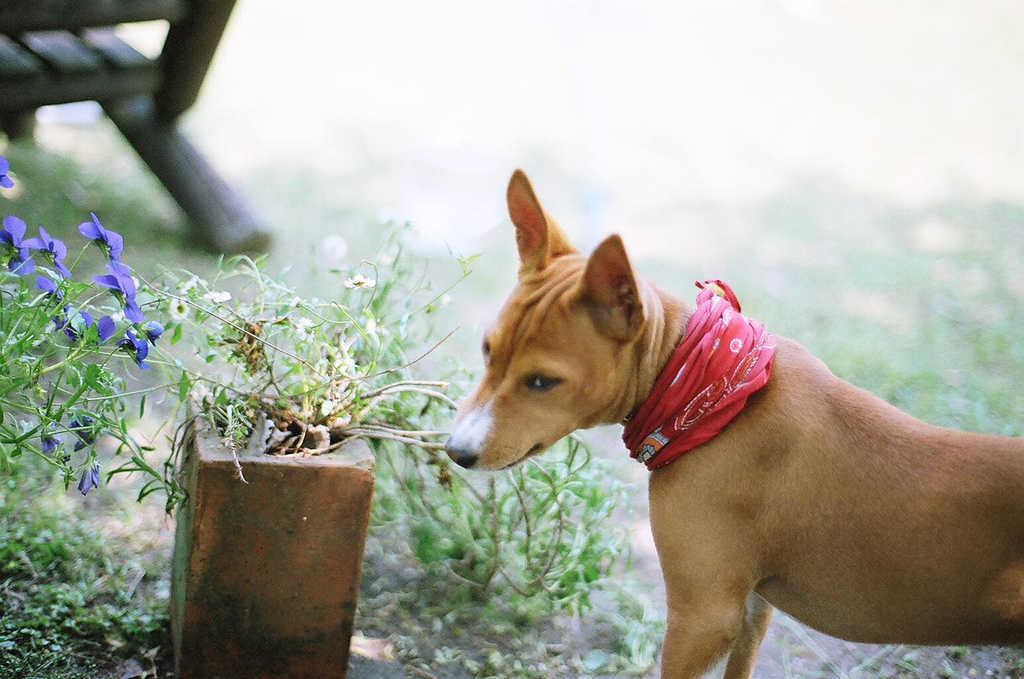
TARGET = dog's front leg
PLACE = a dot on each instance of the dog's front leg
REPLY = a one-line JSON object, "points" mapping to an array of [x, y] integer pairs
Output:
{"points": [[700, 639], [709, 558]]}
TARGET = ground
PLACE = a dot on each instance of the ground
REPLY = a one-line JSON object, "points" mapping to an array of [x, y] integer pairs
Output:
{"points": [[854, 172]]}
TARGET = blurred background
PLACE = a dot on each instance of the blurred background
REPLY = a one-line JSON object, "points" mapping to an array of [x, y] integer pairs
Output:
{"points": [[854, 170]]}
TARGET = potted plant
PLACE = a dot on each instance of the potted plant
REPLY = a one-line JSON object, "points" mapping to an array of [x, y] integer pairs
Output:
{"points": [[276, 474]]}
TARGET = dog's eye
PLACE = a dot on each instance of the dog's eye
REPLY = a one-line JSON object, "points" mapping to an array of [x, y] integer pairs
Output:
{"points": [[542, 383], [486, 348]]}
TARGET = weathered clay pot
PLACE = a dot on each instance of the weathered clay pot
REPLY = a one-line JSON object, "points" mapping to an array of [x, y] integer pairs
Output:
{"points": [[266, 573]]}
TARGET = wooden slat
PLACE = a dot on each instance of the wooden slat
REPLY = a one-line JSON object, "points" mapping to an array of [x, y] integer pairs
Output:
{"points": [[63, 51], [16, 63], [17, 96], [115, 51], [19, 16]]}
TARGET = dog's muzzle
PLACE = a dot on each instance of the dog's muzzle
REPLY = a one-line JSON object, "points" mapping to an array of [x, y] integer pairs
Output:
{"points": [[462, 456]]}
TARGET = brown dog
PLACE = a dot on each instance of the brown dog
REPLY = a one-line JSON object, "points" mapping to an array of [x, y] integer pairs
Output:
{"points": [[819, 498]]}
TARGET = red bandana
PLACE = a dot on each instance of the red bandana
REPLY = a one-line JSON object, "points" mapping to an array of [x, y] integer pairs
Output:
{"points": [[723, 358]]}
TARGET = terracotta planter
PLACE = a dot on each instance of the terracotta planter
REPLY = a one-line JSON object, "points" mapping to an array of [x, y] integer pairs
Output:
{"points": [[266, 573]]}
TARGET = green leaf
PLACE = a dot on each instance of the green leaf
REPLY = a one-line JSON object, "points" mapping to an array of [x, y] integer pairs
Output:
{"points": [[92, 375], [184, 386], [176, 335], [142, 406]]}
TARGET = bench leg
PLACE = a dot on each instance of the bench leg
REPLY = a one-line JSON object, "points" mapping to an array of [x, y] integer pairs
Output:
{"points": [[220, 216], [19, 125], [187, 55]]}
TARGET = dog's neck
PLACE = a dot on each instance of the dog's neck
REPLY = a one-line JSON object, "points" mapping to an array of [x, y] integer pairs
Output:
{"points": [[665, 319]]}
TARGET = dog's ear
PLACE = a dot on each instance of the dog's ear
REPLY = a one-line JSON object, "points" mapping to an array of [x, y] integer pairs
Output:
{"points": [[610, 291], [537, 235]]}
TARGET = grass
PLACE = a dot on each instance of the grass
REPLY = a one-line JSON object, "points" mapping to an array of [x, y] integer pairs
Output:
{"points": [[73, 602], [920, 307]]}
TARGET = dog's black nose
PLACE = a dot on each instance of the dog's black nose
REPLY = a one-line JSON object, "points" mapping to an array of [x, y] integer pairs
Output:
{"points": [[461, 456]]}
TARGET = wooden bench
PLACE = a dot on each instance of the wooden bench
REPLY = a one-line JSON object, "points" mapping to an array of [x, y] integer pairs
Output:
{"points": [[61, 51]]}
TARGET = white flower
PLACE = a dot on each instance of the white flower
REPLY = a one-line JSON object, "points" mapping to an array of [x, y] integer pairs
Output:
{"points": [[189, 284], [360, 281], [304, 329], [217, 296], [179, 309]]}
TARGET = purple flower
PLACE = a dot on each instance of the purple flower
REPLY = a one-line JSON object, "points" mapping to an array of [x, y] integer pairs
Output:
{"points": [[60, 321], [137, 348], [120, 282], [82, 428], [109, 241], [54, 247], [73, 322], [5, 181], [153, 331], [11, 235], [105, 328], [90, 479], [48, 286], [50, 444]]}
